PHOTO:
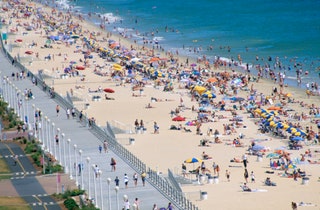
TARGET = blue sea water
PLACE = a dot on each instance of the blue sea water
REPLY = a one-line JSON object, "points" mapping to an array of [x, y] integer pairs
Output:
{"points": [[287, 29]]}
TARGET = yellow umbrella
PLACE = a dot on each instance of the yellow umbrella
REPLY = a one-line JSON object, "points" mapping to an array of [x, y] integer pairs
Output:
{"points": [[285, 126], [117, 65], [199, 89], [272, 123], [258, 111], [297, 133]]}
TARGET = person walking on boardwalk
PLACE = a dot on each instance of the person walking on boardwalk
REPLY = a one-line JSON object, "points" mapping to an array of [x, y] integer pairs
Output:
{"points": [[113, 164], [57, 110], [126, 180], [105, 146]]}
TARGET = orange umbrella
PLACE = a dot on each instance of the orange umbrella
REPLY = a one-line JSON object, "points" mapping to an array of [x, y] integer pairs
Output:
{"points": [[274, 108], [154, 59], [212, 80]]}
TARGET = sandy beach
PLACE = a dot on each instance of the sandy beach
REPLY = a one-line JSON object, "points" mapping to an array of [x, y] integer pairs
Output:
{"points": [[71, 66]]}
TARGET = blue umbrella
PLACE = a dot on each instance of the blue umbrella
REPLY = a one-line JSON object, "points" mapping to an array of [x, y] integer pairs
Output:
{"points": [[257, 147], [297, 138]]}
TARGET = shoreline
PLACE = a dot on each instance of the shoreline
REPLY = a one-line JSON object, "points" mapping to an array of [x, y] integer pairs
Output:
{"points": [[168, 143]]}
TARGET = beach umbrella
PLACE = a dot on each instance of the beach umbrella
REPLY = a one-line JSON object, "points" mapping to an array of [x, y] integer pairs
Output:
{"points": [[193, 160], [75, 37], [274, 108], [193, 65], [108, 90], [80, 67], [212, 80], [297, 138], [18, 40], [154, 59], [273, 155], [257, 147], [28, 52], [199, 89], [178, 118]]}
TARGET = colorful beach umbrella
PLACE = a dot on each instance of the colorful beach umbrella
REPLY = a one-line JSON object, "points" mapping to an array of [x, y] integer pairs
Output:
{"points": [[193, 160], [178, 118]]}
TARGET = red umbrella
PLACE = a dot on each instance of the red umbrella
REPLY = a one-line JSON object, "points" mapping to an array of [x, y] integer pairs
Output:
{"points": [[178, 118], [108, 90], [29, 52], [18, 40], [80, 67]]}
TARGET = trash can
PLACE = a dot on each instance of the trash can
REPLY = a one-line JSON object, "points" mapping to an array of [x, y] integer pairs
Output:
{"points": [[131, 141], [210, 180], [259, 158], [305, 180], [87, 106], [202, 179], [204, 195], [216, 179]]}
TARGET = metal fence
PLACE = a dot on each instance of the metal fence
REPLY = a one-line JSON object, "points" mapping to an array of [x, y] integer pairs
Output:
{"points": [[174, 194]]}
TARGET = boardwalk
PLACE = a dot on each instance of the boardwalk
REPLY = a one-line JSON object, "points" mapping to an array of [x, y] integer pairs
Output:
{"points": [[85, 152]]}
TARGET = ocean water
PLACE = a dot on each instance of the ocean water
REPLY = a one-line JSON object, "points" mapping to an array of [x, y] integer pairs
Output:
{"points": [[288, 30]]}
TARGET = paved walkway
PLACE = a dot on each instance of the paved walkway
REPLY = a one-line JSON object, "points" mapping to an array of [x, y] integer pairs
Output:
{"points": [[24, 178], [88, 143]]}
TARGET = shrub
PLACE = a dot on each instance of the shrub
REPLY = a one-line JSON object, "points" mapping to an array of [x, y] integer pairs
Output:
{"points": [[70, 204]]}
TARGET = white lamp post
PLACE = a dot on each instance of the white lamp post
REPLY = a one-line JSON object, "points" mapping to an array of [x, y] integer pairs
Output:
{"points": [[39, 124], [27, 108], [101, 195], [80, 168], [89, 184], [34, 120], [109, 196], [117, 197], [9, 94], [76, 163], [49, 136], [64, 153], [43, 130], [59, 145], [16, 101], [95, 186], [54, 141], [69, 156]]}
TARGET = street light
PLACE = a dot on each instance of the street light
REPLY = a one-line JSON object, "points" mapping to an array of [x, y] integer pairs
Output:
{"points": [[75, 164], [64, 154], [109, 196], [34, 120], [80, 168], [117, 197], [69, 156], [49, 135], [39, 127], [43, 130], [27, 108], [59, 145], [54, 143], [16, 101], [101, 195], [89, 184], [95, 186]]}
